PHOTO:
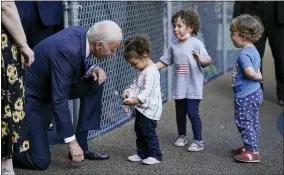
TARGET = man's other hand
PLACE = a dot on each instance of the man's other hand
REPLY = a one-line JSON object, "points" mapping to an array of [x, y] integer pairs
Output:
{"points": [[99, 75]]}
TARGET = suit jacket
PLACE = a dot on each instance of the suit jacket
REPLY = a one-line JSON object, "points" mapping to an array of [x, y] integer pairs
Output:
{"points": [[242, 7], [50, 12], [59, 64]]}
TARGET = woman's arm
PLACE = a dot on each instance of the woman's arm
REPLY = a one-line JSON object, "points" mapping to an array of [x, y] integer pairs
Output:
{"points": [[11, 21]]}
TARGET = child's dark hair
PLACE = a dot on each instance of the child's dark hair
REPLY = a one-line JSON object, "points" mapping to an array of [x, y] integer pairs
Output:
{"points": [[189, 17], [249, 27], [136, 46]]}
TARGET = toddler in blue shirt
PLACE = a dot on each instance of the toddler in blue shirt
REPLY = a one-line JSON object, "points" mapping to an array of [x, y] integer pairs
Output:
{"points": [[246, 79]]}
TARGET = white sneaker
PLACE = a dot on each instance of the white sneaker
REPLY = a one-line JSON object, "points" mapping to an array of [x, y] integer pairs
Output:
{"points": [[181, 141], [196, 146], [151, 161], [134, 158], [6, 171]]}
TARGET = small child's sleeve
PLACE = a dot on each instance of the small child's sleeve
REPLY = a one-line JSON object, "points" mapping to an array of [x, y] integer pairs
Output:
{"points": [[167, 57], [244, 61], [131, 89], [148, 86], [203, 52]]}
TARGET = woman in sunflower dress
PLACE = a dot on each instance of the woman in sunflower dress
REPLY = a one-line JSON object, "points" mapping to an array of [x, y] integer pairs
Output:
{"points": [[13, 42]]}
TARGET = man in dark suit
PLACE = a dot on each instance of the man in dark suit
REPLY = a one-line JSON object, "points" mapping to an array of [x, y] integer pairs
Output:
{"points": [[272, 16], [40, 19], [61, 72]]}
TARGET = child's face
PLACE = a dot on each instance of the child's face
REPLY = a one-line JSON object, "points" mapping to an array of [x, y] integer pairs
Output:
{"points": [[180, 29], [137, 63], [238, 40]]}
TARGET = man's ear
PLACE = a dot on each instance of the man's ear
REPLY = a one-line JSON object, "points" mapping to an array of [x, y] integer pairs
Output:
{"points": [[99, 45]]}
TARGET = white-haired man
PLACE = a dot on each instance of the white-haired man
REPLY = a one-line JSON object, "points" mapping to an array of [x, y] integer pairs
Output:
{"points": [[62, 71]]}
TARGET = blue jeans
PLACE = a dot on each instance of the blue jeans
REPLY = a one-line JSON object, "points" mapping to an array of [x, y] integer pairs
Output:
{"points": [[147, 141]]}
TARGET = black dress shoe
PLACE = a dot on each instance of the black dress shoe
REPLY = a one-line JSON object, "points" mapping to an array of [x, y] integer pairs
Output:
{"points": [[91, 155], [51, 127]]}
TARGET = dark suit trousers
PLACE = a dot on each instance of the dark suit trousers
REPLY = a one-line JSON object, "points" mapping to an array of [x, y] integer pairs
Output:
{"points": [[38, 156], [34, 28], [275, 34]]}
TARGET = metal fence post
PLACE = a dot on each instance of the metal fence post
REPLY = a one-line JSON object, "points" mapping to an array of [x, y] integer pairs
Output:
{"points": [[225, 36], [66, 25], [169, 41], [74, 13], [66, 14], [74, 21]]}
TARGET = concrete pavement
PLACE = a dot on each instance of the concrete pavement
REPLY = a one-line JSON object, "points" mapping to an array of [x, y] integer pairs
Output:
{"points": [[219, 132]]}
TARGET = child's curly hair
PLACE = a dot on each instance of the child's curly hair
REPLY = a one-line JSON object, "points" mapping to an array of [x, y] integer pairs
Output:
{"points": [[189, 17], [247, 26], [137, 47]]}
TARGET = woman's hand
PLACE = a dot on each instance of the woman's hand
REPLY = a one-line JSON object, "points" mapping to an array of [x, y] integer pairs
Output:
{"points": [[28, 55]]}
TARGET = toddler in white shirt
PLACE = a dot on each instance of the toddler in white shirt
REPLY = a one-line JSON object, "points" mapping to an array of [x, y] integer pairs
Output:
{"points": [[145, 95]]}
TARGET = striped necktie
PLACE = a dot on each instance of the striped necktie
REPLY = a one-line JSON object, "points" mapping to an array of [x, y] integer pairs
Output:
{"points": [[87, 61]]}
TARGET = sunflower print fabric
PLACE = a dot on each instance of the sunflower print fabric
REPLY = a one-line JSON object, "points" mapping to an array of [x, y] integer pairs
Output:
{"points": [[13, 131]]}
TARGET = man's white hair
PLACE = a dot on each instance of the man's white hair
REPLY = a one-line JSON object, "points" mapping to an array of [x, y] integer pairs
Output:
{"points": [[107, 31]]}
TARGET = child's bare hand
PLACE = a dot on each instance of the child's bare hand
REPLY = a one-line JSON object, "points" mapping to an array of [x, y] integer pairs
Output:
{"points": [[128, 101], [131, 101], [196, 55], [260, 75]]}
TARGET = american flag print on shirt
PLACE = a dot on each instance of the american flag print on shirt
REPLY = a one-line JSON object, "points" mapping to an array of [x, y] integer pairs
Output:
{"points": [[182, 68]]}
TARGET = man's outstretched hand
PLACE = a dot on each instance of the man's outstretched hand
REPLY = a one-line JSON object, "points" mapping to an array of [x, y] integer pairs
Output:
{"points": [[76, 152]]}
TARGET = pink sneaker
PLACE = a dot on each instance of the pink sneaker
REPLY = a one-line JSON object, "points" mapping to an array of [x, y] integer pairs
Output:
{"points": [[247, 156], [238, 151]]}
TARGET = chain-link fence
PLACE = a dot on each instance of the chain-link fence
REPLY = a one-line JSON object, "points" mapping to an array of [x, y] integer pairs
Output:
{"points": [[150, 18], [145, 18]]}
